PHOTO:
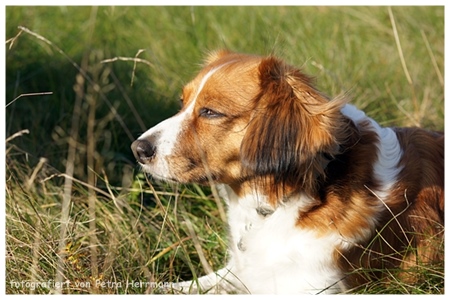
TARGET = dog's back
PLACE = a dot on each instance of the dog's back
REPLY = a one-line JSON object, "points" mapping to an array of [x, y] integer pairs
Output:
{"points": [[411, 234]]}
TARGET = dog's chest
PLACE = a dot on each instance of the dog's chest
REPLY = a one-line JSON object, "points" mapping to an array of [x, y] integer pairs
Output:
{"points": [[269, 253], [260, 233]]}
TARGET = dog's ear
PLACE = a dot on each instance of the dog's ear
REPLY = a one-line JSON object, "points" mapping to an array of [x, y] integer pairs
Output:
{"points": [[292, 126]]}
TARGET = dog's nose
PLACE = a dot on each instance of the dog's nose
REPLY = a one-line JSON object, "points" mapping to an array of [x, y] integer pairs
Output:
{"points": [[143, 150]]}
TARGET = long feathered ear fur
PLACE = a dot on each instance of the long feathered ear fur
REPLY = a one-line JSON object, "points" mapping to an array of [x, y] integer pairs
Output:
{"points": [[294, 129]]}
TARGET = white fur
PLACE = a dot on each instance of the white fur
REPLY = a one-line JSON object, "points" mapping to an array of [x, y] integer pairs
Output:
{"points": [[274, 256], [271, 255]]}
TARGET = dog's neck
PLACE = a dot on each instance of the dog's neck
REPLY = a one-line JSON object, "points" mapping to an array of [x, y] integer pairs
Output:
{"points": [[270, 196]]}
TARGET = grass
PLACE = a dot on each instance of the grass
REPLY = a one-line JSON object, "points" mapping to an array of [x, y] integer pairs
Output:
{"points": [[136, 243], [77, 209]]}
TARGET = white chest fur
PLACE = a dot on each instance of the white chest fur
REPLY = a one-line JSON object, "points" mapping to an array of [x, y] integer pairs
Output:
{"points": [[269, 254]]}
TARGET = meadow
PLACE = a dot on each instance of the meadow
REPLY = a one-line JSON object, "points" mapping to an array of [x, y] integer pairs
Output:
{"points": [[83, 82]]}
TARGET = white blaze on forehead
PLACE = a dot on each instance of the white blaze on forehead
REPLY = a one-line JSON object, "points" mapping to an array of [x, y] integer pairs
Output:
{"points": [[173, 124], [202, 84], [165, 133]]}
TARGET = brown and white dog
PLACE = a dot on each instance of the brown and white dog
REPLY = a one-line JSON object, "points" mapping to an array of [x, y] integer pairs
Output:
{"points": [[316, 190]]}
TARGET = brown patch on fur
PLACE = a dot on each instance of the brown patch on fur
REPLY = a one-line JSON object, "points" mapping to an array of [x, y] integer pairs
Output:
{"points": [[291, 127], [347, 206]]}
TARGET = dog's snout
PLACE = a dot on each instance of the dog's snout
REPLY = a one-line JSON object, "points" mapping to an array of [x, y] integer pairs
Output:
{"points": [[143, 150]]}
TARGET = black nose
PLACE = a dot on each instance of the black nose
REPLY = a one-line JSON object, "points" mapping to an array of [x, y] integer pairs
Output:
{"points": [[143, 150]]}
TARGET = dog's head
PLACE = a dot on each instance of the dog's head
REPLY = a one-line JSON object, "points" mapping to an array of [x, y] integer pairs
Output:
{"points": [[245, 117]]}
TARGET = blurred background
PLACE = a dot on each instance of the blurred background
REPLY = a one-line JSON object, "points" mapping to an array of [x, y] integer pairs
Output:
{"points": [[83, 82], [345, 48]]}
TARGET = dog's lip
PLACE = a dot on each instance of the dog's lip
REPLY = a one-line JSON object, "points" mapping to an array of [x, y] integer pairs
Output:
{"points": [[149, 171], [170, 179]]}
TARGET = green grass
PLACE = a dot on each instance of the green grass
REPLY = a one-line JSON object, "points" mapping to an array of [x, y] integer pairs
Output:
{"points": [[120, 227]]}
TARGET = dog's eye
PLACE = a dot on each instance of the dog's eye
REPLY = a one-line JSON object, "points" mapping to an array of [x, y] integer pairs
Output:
{"points": [[210, 114]]}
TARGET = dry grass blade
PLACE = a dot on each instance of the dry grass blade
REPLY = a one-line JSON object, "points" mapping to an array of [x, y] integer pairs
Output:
{"points": [[198, 247], [402, 57], [135, 59], [121, 58], [28, 95], [167, 250], [399, 46], [39, 166], [17, 134], [67, 196], [433, 58]]}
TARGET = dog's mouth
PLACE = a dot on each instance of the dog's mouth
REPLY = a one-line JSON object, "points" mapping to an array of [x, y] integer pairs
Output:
{"points": [[201, 179], [147, 170]]}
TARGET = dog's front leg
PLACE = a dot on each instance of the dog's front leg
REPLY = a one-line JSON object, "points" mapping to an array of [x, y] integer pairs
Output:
{"points": [[222, 281]]}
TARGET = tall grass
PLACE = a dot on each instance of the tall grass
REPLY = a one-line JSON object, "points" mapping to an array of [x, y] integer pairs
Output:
{"points": [[83, 82]]}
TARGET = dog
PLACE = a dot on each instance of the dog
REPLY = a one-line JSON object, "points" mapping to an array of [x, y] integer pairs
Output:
{"points": [[315, 189]]}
